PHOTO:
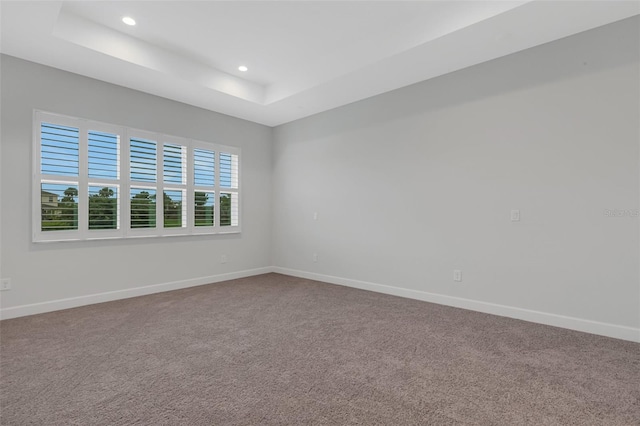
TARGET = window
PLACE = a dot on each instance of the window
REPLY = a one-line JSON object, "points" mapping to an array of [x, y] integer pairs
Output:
{"points": [[95, 180]]}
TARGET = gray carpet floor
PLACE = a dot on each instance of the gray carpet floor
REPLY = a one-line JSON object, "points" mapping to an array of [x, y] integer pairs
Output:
{"points": [[277, 350]]}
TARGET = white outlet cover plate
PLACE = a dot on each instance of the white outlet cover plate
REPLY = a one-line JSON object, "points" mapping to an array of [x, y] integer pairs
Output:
{"points": [[5, 284]]}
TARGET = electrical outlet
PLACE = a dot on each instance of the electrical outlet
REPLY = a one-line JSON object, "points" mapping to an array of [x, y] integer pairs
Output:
{"points": [[457, 275], [5, 284], [315, 215], [515, 215], [315, 257], [224, 258]]}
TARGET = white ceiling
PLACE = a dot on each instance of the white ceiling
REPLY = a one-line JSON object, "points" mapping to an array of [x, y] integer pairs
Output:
{"points": [[304, 57]]}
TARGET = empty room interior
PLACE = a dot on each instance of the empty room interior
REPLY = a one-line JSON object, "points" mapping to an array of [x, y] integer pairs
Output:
{"points": [[322, 212]]}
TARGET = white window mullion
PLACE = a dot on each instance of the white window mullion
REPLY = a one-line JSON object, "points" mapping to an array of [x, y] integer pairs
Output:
{"points": [[160, 185], [36, 211], [190, 196], [125, 187], [238, 201], [83, 183], [216, 192]]}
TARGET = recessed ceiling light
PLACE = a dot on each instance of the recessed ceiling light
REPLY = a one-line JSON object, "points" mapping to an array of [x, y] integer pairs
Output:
{"points": [[129, 20], [243, 68]]}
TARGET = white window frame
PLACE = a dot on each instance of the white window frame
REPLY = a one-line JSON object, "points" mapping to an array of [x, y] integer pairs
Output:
{"points": [[124, 183]]}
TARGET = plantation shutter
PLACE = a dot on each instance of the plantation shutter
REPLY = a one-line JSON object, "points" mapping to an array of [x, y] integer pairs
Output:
{"points": [[143, 192], [204, 195], [103, 169], [229, 201], [174, 166], [59, 174], [94, 180]]}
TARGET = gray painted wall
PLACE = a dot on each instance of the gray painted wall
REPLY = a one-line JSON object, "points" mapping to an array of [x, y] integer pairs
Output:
{"points": [[51, 271], [415, 183]]}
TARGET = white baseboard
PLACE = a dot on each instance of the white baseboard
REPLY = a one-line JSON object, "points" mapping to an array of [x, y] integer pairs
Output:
{"points": [[587, 326], [74, 302]]}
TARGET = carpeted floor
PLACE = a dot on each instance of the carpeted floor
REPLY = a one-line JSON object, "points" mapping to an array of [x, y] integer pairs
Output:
{"points": [[272, 349]]}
